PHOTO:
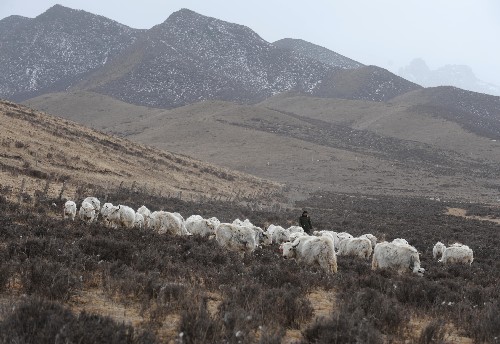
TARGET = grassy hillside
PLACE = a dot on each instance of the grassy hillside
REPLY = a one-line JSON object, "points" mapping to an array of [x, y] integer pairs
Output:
{"points": [[44, 151], [87, 283], [313, 143]]}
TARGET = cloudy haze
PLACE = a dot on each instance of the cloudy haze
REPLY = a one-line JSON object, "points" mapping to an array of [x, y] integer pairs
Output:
{"points": [[386, 33]]}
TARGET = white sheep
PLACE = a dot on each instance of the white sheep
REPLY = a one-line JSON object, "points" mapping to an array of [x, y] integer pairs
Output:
{"points": [[456, 253], [295, 229], [358, 247], [197, 225], [438, 249], [105, 211], [237, 238], [87, 212], [146, 214], [400, 257], [95, 203], [261, 237], [69, 210], [294, 236], [371, 237], [167, 222], [278, 234], [139, 221], [119, 216], [400, 241], [312, 250], [333, 235]]}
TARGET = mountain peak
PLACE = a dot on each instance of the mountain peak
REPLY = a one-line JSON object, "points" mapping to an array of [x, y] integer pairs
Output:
{"points": [[58, 9], [183, 14]]}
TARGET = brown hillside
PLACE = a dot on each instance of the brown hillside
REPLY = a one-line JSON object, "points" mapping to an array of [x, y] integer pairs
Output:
{"points": [[313, 143], [36, 147]]}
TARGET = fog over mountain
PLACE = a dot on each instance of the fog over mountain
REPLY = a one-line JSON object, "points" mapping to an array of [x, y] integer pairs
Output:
{"points": [[460, 76]]}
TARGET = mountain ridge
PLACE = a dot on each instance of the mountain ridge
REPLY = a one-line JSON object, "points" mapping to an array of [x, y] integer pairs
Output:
{"points": [[187, 58]]}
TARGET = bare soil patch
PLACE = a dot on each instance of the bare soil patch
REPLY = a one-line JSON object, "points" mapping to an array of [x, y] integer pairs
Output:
{"points": [[463, 213]]}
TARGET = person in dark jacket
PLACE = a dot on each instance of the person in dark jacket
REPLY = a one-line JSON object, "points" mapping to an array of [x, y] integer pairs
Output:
{"points": [[305, 222]]}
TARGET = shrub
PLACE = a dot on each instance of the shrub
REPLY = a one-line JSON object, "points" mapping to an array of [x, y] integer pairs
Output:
{"points": [[342, 329], [197, 326], [48, 279], [385, 313], [484, 325], [433, 333], [4, 275], [37, 321]]}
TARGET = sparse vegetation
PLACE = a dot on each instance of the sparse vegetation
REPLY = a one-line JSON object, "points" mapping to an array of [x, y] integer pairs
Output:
{"points": [[217, 296]]}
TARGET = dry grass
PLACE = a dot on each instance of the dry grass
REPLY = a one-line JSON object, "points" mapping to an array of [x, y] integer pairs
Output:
{"points": [[322, 303], [258, 140], [451, 334], [36, 147]]}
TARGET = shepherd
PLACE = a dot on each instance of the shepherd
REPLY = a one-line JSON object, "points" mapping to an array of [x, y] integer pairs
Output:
{"points": [[305, 222]]}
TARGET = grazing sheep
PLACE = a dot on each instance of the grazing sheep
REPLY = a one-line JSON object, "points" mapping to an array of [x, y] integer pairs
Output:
{"points": [[312, 250], [87, 212], [166, 222], [331, 234], [399, 257], [139, 221], [295, 229], [358, 247], [105, 211], [146, 214], [197, 225], [341, 236], [400, 241], [438, 249], [456, 253], [278, 234], [296, 235], [120, 216], [95, 203], [261, 237], [69, 210], [237, 238], [371, 237]]}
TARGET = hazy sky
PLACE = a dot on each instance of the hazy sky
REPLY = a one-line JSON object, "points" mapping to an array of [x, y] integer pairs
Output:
{"points": [[386, 33]]}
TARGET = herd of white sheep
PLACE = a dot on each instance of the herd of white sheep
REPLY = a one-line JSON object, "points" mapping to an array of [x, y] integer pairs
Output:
{"points": [[321, 248]]}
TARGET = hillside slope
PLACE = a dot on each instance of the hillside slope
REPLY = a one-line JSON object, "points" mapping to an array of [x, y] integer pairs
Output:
{"points": [[317, 52], [186, 59], [36, 147], [318, 143], [56, 49]]}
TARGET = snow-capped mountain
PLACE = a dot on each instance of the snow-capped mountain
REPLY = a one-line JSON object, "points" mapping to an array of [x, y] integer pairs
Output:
{"points": [[317, 52], [191, 57], [186, 59], [56, 49]]}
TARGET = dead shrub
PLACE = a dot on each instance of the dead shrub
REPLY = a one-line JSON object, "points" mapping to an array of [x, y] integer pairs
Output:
{"points": [[197, 326], [48, 279], [484, 324], [38, 321], [433, 333], [107, 249], [386, 314], [342, 329]]}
